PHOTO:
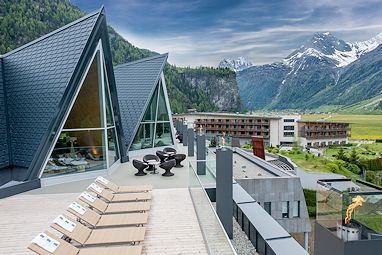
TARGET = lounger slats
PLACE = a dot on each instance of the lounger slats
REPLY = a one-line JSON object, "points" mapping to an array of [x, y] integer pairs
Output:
{"points": [[116, 235], [114, 220], [140, 188], [89, 216], [128, 207], [123, 189], [125, 250], [63, 249], [80, 233], [97, 204], [121, 197], [106, 208], [125, 197]]}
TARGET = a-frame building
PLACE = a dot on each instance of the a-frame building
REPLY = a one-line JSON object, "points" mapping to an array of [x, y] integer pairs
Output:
{"points": [[61, 110], [143, 101]]}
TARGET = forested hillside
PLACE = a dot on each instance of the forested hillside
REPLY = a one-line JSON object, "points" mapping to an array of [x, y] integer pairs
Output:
{"points": [[22, 21]]}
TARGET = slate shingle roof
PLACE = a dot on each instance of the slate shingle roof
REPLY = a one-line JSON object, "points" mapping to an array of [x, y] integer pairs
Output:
{"points": [[136, 82], [36, 76], [4, 156]]}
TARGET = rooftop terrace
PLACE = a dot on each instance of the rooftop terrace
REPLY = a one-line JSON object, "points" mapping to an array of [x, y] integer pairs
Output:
{"points": [[27, 214]]}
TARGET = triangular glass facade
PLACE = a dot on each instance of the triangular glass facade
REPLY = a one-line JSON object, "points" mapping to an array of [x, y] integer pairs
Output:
{"points": [[88, 140], [155, 128]]}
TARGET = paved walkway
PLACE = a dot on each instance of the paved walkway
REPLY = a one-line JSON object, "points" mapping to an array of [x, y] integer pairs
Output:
{"points": [[172, 228]]}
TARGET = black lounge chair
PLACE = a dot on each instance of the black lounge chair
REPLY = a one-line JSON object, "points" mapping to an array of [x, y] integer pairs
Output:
{"points": [[140, 166], [180, 138], [170, 151], [167, 166], [179, 158], [149, 157], [162, 155]]}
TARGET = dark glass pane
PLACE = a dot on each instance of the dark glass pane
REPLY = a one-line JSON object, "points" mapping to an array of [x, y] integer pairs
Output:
{"points": [[144, 137], [113, 152], [77, 151], [162, 108], [151, 109], [163, 135], [86, 111]]}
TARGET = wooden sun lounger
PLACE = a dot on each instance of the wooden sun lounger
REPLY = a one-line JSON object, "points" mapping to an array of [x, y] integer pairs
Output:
{"points": [[111, 208], [105, 236], [111, 220], [65, 248], [119, 197], [122, 189]]}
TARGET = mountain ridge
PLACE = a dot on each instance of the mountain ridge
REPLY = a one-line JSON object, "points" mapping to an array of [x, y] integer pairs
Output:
{"points": [[320, 72], [23, 21]]}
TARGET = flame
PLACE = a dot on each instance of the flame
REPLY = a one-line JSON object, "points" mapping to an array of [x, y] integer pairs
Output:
{"points": [[94, 150], [357, 201], [223, 139]]}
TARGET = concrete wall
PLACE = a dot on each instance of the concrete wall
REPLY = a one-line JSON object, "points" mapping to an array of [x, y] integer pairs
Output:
{"points": [[276, 190], [283, 124]]}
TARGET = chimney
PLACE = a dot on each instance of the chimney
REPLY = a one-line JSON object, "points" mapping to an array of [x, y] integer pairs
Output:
{"points": [[258, 146]]}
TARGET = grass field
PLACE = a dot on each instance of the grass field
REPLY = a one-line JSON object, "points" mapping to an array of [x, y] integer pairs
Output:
{"points": [[362, 127], [315, 164]]}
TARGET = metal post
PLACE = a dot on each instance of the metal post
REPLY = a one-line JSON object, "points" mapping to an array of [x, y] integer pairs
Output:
{"points": [[201, 154], [306, 240], [191, 142], [224, 193], [184, 135]]}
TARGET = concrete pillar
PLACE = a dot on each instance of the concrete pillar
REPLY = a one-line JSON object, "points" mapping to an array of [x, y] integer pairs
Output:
{"points": [[191, 142], [185, 137], [306, 241], [201, 154], [224, 193]]}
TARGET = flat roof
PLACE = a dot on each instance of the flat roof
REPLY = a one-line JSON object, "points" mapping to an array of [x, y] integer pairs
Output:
{"points": [[227, 114], [240, 195], [279, 246], [323, 122], [255, 166], [246, 169]]}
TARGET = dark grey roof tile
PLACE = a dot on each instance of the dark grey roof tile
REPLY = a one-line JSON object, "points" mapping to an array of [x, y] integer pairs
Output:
{"points": [[136, 82], [36, 76]]}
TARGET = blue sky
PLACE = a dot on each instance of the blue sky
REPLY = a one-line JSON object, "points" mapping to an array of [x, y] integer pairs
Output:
{"points": [[202, 32]]}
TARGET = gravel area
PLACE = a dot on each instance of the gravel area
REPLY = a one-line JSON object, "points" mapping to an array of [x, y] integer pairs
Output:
{"points": [[240, 240]]}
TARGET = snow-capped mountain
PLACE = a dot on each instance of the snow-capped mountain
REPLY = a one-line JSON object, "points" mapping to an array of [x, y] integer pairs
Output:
{"points": [[325, 46], [325, 70], [238, 64]]}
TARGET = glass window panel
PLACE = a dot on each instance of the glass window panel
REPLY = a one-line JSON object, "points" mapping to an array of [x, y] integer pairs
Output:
{"points": [[77, 151], [285, 209], [113, 152], [267, 207], [163, 135], [109, 109], [86, 111], [162, 108], [296, 209], [144, 137], [150, 113]]}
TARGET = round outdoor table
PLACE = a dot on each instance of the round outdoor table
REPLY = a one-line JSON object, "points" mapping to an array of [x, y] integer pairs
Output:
{"points": [[153, 163], [170, 154]]}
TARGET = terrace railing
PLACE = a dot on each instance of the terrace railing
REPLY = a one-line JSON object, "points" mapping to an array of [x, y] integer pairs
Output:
{"points": [[215, 237]]}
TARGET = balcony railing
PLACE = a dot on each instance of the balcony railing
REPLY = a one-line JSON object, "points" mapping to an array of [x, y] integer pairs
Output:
{"points": [[215, 237]]}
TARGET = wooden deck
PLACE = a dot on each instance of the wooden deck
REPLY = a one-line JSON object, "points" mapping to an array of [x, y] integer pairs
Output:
{"points": [[172, 227]]}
